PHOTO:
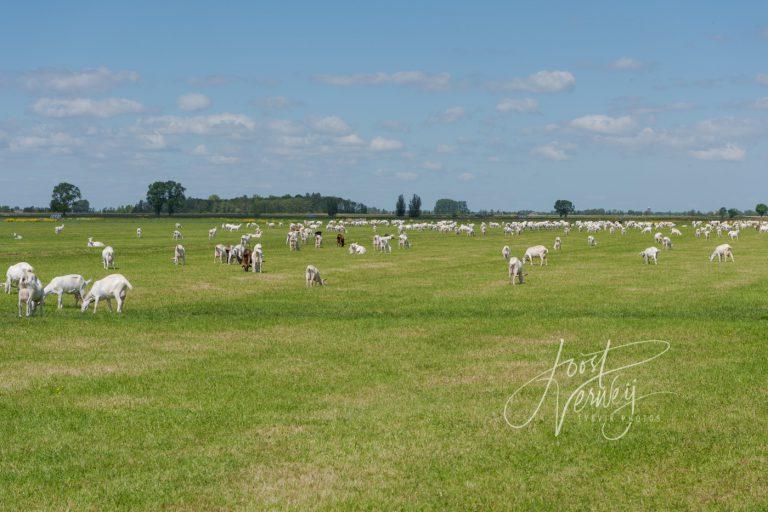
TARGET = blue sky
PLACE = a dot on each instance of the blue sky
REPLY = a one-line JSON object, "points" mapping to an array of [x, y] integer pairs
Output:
{"points": [[505, 105]]}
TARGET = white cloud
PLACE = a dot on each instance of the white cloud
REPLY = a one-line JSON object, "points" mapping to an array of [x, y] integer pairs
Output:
{"points": [[193, 101], [352, 139], [85, 107], [518, 105], [760, 103], [284, 126], [223, 160], [541, 82], [200, 150], [199, 125], [448, 116], [762, 79], [57, 141], [627, 63], [551, 151], [729, 152], [466, 176], [277, 103], [62, 81], [419, 79], [406, 176], [601, 124], [432, 166], [446, 148], [330, 124], [382, 144], [648, 137], [153, 141], [725, 128]]}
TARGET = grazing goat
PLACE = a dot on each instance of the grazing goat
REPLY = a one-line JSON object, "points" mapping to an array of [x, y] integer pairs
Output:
{"points": [[312, 276], [220, 252], [506, 252], [179, 255], [591, 241], [403, 242], [212, 233], [73, 284], [537, 251], [14, 274], [722, 251], [114, 286], [31, 293], [108, 257], [515, 271], [650, 254]]}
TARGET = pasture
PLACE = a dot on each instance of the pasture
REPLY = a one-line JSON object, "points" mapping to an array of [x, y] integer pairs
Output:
{"points": [[385, 389]]}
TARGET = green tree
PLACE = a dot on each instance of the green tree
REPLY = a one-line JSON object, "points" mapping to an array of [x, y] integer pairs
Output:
{"points": [[174, 196], [332, 207], [450, 207], [400, 206], [414, 207], [81, 206], [733, 213], [156, 196], [761, 209], [563, 207], [722, 212], [64, 196]]}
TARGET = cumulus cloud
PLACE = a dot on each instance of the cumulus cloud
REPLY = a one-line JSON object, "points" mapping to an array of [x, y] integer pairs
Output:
{"points": [[418, 79], [729, 152], [382, 144], [193, 101], [223, 159], [524, 105], [448, 116], [62, 81], [57, 142], [329, 124], [432, 166], [352, 139], [627, 63], [552, 151], [541, 82], [85, 107], [602, 124], [153, 141], [199, 125], [466, 176]]}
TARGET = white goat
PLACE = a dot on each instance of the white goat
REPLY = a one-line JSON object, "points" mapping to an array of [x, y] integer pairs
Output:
{"points": [[312, 276], [558, 243], [31, 293], [91, 243], [506, 252], [73, 284], [722, 251], [14, 274], [113, 286], [179, 255], [211, 233], [108, 257], [537, 251], [515, 271], [58, 229], [220, 251], [650, 254], [138, 232], [591, 241], [177, 235]]}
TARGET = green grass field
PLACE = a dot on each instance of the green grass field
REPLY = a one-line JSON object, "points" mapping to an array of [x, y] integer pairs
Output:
{"points": [[384, 390]]}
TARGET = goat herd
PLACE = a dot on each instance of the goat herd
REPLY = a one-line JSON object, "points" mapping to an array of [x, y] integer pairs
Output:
{"points": [[32, 293]]}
